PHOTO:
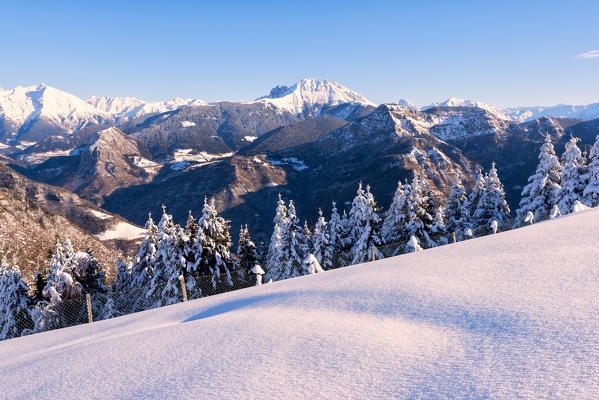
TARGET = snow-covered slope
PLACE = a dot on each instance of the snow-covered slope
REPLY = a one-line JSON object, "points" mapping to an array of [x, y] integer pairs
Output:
{"points": [[508, 316], [41, 107], [312, 96], [127, 108]]}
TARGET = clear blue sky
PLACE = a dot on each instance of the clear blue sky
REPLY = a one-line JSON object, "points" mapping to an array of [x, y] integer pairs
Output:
{"points": [[504, 53]]}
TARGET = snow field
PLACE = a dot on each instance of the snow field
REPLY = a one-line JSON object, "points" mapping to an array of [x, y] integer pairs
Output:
{"points": [[512, 315]]}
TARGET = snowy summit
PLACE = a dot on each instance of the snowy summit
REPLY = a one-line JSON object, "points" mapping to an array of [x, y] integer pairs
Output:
{"points": [[312, 95]]}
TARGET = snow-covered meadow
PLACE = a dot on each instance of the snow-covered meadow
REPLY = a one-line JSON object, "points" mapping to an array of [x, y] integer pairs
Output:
{"points": [[512, 315]]}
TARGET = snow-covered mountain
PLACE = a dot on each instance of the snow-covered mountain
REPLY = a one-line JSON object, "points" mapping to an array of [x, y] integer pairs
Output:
{"points": [[588, 112], [35, 112], [507, 316], [457, 102], [127, 108], [311, 96]]}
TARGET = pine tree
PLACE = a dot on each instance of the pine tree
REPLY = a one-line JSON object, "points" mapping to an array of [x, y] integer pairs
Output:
{"points": [[335, 232], [419, 209], [439, 228], [492, 205], [246, 251], [394, 223], [457, 211], [307, 233], [56, 263], [346, 240], [168, 261], [274, 258], [39, 283], [91, 275], [142, 270], [216, 258], [370, 237], [14, 303], [590, 195], [322, 248], [358, 216], [573, 178], [476, 195], [123, 275], [540, 194]]}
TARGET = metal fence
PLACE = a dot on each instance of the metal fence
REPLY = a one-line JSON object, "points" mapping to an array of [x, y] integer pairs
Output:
{"points": [[100, 306]]}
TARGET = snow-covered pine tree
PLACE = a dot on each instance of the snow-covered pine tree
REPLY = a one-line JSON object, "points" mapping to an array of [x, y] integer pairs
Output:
{"points": [[394, 223], [167, 254], [590, 195], [335, 232], [246, 251], [476, 195], [307, 233], [14, 303], [439, 229], [56, 263], [296, 246], [457, 210], [39, 282], [91, 276], [274, 258], [419, 219], [216, 257], [322, 248], [371, 236], [142, 270], [540, 194], [492, 205], [413, 245], [358, 216], [573, 178], [346, 240], [123, 275]]}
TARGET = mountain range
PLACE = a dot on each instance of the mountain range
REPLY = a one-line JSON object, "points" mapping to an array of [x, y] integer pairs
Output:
{"points": [[312, 141]]}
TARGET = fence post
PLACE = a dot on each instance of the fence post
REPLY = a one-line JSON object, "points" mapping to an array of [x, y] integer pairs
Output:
{"points": [[88, 300], [453, 235], [373, 254], [183, 288]]}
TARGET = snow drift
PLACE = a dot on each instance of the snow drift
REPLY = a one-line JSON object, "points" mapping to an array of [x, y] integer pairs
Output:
{"points": [[513, 315]]}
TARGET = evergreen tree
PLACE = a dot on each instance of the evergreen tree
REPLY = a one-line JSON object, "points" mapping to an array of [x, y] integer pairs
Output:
{"points": [[573, 178], [476, 195], [492, 205], [292, 250], [216, 258], [307, 233], [39, 282], [540, 194], [335, 232], [438, 228], [246, 251], [123, 275], [56, 263], [91, 277], [370, 236], [590, 195], [322, 248], [457, 211], [394, 223], [168, 262], [419, 213], [142, 270], [14, 303], [358, 216], [274, 258], [346, 240]]}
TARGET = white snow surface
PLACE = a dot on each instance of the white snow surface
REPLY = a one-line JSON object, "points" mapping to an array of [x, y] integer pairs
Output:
{"points": [[512, 315], [127, 108], [25, 104], [312, 94], [122, 231]]}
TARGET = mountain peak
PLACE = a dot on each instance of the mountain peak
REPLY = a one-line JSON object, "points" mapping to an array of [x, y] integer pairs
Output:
{"points": [[312, 95]]}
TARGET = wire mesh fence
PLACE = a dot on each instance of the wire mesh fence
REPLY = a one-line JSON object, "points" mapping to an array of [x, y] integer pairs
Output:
{"points": [[47, 315]]}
